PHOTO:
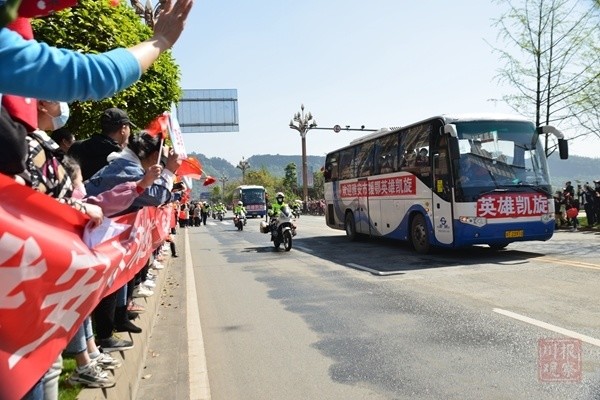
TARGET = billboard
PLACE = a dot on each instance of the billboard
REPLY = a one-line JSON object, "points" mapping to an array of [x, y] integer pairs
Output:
{"points": [[208, 110]]}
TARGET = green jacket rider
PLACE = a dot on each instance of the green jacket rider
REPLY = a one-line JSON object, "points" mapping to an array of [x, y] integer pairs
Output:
{"points": [[239, 208], [277, 205]]}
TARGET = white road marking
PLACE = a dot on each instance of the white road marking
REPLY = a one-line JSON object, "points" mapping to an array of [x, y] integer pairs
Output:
{"points": [[550, 327], [199, 385], [374, 271]]}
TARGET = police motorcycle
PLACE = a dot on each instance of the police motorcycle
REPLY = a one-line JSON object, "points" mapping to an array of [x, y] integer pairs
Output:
{"points": [[239, 220], [297, 208], [282, 228], [220, 215]]}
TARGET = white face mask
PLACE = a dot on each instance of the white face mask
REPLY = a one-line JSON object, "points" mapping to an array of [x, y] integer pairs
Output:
{"points": [[61, 120]]}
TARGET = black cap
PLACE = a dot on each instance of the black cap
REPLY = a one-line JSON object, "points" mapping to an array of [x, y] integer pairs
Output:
{"points": [[114, 118]]}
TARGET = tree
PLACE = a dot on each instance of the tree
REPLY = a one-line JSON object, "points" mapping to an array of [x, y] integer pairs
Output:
{"points": [[96, 27], [262, 177], [290, 181], [318, 190], [554, 61]]}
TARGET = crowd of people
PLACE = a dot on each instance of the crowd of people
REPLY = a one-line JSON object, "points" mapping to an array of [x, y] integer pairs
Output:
{"points": [[569, 201], [113, 172]]}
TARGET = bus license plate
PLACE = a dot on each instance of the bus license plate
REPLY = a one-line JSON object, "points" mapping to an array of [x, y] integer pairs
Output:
{"points": [[513, 234]]}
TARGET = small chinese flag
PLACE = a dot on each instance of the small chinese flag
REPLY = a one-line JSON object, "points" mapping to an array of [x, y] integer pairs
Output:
{"points": [[159, 126], [209, 180], [190, 167]]}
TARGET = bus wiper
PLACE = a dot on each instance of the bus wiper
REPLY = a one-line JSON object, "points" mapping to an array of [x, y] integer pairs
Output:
{"points": [[537, 188], [497, 190]]}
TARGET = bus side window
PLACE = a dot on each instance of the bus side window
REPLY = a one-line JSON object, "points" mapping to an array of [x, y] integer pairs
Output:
{"points": [[385, 154], [331, 167], [347, 164], [364, 157]]}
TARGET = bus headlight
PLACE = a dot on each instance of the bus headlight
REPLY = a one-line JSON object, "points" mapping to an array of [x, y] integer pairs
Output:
{"points": [[547, 217], [476, 221]]}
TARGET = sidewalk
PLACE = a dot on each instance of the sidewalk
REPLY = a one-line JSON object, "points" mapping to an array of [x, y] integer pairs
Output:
{"points": [[158, 366]]}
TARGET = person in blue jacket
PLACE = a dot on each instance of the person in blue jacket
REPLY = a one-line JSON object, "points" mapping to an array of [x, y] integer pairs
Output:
{"points": [[37, 70]]}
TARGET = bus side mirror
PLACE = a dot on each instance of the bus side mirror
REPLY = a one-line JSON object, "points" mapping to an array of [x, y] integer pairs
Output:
{"points": [[563, 146], [563, 149]]}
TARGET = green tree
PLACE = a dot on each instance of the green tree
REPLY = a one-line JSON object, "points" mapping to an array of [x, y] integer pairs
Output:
{"points": [[318, 190], [290, 181], [96, 27], [264, 178], [550, 57]]}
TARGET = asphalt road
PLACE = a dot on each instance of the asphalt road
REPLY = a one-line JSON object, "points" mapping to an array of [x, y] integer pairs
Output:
{"points": [[333, 319]]}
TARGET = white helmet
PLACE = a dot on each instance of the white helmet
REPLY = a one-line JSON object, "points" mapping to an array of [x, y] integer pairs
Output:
{"points": [[280, 194], [240, 203]]}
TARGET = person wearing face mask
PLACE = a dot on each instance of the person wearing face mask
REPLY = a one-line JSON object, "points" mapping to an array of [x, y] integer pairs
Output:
{"points": [[92, 153], [52, 115]]}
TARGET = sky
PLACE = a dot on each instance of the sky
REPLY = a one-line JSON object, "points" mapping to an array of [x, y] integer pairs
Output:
{"points": [[380, 63]]}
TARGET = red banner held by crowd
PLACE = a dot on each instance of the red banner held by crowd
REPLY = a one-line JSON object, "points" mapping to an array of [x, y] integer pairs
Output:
{"points": [[50, 280]]}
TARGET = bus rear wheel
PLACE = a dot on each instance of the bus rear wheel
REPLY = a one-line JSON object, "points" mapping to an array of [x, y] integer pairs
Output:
{"points": [[418, 234], [350, 226]]}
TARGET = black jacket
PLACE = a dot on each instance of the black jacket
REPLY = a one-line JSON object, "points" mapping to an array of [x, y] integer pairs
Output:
{"points": [[91, 153]]}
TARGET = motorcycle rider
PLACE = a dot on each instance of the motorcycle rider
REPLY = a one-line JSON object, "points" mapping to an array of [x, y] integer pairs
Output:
{"points": [[275, 209], [239, 208]]}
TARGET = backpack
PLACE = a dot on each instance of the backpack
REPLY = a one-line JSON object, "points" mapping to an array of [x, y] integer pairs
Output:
{"points": [[44, 171], [13, 148]]}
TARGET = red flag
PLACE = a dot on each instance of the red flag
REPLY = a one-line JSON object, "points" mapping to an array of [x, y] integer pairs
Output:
{"points": [[209, 180], [159, 126], [33, 8], [190, 167]]}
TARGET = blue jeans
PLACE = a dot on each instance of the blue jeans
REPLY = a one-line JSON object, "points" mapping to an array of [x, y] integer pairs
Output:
{"points": [[79, 342]]}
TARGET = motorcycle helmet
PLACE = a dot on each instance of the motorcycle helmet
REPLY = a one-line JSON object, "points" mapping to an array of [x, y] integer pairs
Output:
{"points": [[280, 196], [240, 203]]}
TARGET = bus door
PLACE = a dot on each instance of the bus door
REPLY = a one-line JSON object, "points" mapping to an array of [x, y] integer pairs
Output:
{"points": [[362, 212], [441, 199]]}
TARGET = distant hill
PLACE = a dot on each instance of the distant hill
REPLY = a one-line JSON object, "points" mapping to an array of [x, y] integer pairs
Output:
{"points": [[574, 169], [275, 164]]}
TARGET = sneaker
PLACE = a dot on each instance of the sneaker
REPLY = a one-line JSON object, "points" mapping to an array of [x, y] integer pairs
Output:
{"points": [[127, 326], [157, 265], [114, 343], [151, 276], [135, 308], [105, 361], [149, 283], [142, 291], [93, 376]]}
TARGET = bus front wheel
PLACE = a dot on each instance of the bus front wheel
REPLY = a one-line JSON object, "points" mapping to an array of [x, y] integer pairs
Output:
{"points": [[418, 234], [350, 226]]}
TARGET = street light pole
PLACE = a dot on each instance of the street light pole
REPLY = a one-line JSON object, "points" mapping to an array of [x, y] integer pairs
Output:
{"points": [[243, 165], [303, 123], [223, 179]]}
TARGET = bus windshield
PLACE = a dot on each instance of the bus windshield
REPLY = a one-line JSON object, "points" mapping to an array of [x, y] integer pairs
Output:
{"points": [[499, 156], [253, 196]]}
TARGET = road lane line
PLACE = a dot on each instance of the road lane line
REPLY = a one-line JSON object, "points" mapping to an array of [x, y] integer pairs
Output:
{"points": [[199, 385], [550, 327], [374, 271], [579, 264]]}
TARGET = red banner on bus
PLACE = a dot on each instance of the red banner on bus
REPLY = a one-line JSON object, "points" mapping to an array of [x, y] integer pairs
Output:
{"points": [[398, 186], [512, 205]]}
